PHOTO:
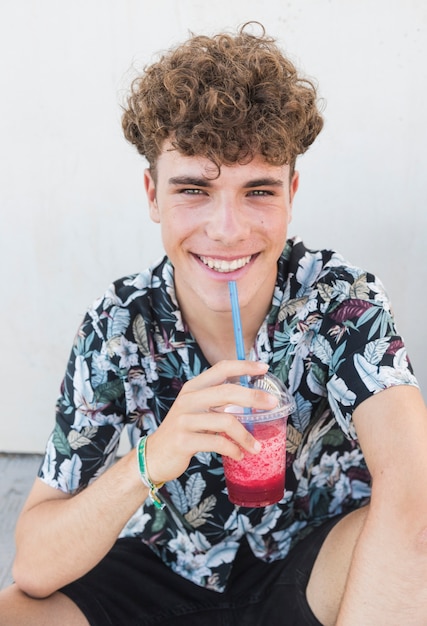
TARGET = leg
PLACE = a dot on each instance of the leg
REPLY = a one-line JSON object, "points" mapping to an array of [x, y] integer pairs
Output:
{"points": [[326, 585], [18, 609]]}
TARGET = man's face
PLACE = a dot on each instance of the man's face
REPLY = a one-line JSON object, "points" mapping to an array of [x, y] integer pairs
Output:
{"points": [[214, 230]]}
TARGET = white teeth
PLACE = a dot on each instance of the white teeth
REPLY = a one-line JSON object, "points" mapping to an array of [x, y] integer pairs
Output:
{"points": [[225, 266]]}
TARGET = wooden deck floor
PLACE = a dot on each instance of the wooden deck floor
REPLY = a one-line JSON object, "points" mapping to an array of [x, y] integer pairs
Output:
{"points": [[17, 474]]}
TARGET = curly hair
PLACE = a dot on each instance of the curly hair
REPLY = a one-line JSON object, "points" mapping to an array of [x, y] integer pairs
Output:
{"points": [[226, 98]]}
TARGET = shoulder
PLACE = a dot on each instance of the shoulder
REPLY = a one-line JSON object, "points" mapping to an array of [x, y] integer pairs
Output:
{"points": [[310, 265], [125, 290], [128, 297], [329, 275]]}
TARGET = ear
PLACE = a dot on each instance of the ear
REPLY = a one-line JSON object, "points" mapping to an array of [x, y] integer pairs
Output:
{"points": [[293, 188], [150, 190]]}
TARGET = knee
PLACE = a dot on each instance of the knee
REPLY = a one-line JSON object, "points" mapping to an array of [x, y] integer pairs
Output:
{"points": [[11, 599], [328, 577]]}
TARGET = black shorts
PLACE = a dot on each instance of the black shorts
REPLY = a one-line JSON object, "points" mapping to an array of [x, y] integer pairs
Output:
{"points": [[131, 586]]}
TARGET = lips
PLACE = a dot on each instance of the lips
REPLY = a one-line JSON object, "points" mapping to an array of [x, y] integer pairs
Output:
{"points": [[224, 266]]}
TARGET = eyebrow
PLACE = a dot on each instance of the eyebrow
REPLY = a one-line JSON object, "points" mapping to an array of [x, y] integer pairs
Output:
{"points": [[205, 182], [189, 180], [265, 182]]}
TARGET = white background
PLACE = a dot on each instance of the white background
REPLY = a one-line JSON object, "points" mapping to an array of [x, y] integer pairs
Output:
{"points": [[73, 212]]}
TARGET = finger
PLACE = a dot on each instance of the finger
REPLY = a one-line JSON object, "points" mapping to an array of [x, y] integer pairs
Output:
{"points": [[223, 425], [220, 444], [168, 459], [223, 370], [173, 444], [221, 395]]}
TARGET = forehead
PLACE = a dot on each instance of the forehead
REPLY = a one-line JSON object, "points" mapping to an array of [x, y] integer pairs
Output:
{"points": [[171, 162]]}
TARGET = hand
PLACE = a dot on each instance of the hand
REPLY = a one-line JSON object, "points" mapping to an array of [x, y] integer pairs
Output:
{"points": [[191, 426]]}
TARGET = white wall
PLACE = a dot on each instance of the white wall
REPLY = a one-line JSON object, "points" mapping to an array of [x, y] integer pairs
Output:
{"points": [[73, 213]]}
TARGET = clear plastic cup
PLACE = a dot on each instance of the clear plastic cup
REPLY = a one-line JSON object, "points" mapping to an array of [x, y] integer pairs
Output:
{"points": [[259, 479]]}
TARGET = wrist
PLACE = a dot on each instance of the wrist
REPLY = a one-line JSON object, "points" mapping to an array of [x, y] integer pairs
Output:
{"points": [[141, 455]]}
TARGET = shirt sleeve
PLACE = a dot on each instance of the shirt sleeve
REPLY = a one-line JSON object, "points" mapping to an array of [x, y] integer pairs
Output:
{"points": [[367, 354], [91, 410]]}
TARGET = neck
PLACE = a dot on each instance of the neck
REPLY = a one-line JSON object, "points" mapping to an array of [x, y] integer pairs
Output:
{"points": [[214, 333]]}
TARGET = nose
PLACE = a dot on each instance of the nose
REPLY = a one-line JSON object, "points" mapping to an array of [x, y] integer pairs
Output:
{"points": [[228, 223]]}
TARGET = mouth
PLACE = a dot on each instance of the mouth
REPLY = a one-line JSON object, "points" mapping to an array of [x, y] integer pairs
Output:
{"points": [[223, 266]]}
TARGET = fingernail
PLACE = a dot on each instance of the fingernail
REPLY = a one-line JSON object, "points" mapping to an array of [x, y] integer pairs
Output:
{"points": [[272, 400], [257, 446], [262, 365]]}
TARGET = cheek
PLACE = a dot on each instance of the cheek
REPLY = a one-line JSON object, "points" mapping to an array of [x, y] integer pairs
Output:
{"points": [[173, 233]]}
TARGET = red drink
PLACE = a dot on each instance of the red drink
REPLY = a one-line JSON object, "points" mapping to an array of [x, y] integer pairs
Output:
{"points": [[259, 479]]}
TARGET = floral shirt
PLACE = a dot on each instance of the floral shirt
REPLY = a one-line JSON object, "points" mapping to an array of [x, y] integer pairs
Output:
{"points": [[329, 336]]}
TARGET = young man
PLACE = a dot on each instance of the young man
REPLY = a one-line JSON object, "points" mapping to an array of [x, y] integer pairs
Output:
{"points": [[221, 121]]}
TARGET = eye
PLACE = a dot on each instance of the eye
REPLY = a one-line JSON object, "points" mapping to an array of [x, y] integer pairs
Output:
{"points": [[191, 191], [260, 192]]}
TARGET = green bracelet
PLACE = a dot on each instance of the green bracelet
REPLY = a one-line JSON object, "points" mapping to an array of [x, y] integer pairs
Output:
{"points": [[142, 464]]}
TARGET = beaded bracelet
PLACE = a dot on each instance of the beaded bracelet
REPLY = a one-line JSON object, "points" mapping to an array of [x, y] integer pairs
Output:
{"points": [[142, 464]]}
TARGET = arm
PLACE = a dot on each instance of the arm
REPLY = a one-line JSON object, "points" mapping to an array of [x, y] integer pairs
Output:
{"points": [[387, 578], [60, 537]]}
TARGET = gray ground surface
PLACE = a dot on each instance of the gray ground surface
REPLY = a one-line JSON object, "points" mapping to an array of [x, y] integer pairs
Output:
{"points": [[17, 474]]}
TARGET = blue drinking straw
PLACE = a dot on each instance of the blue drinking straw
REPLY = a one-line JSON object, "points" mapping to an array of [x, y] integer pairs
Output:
{"points": [[238, 335], [237, 324]]}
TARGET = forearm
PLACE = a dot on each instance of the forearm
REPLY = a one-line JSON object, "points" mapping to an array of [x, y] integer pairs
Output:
{"points": [[61, 539], [387, 578]]}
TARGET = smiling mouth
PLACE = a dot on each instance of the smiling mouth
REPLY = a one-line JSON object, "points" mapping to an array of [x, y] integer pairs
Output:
{"points": [[220, 265]]}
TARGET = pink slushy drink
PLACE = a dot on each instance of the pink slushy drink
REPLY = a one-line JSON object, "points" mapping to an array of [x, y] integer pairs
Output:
{"points": [[259, 479]]}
